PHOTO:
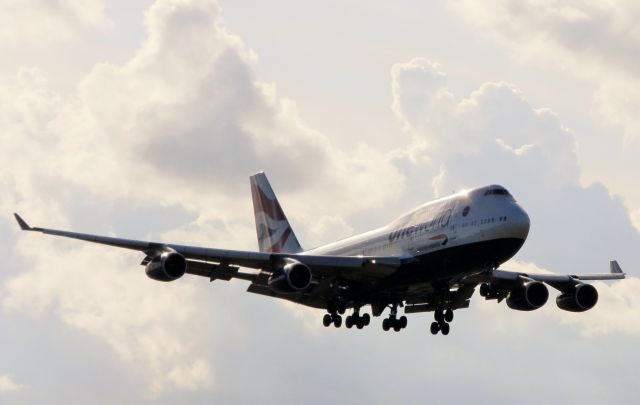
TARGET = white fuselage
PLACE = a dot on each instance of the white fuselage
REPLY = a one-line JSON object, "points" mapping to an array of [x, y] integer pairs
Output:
{"points": [[481, 215]]}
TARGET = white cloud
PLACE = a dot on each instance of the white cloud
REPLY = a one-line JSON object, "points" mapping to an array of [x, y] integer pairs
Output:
{"points": [[8, 385], [100, 292], [494, 120], [188, 106], [27, 21], [180, 124], [597, 40]]}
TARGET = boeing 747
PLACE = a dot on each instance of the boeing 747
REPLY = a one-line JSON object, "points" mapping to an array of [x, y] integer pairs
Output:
{"points": [[430, 259]]}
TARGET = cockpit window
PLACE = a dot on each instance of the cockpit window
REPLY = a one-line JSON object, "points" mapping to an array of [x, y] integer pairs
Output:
{"points": [[497, 191]]}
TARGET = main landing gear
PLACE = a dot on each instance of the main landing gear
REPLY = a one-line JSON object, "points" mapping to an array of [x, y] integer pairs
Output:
{"points": [[392, 322], [443, 318], [357, 320], [334, 317]]}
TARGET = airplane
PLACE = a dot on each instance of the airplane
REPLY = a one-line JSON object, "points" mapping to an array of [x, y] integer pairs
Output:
{"points": [[430, 259]]}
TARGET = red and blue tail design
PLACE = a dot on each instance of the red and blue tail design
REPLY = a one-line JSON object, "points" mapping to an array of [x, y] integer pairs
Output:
{"points": [[274, 231]]}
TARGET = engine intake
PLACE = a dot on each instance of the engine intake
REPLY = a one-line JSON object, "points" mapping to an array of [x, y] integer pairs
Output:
{"points": [[529, 296], [290, 278], [168, 266], [580, 298]]}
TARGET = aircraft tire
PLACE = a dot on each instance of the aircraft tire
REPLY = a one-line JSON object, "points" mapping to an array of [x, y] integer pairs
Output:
{"points": [[445, 328], [326, 320], [385, 324], [435, 328], [403, 321], [348, 322], [337, 321], [448, 315], [366, 319]]}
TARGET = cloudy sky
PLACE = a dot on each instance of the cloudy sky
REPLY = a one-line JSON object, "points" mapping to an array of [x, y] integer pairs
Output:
{"points": [[143, 119]]}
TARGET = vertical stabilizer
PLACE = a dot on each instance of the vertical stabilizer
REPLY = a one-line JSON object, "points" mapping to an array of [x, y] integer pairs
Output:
{"points": [[274, 232]]}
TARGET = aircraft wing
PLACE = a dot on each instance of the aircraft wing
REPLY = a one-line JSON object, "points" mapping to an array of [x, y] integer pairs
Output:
{"points": [[199, 259], [559, 281]]}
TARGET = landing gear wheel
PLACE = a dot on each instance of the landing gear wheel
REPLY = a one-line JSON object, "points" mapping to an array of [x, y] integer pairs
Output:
{"points": [[402, 322], [439, 315], [435, 328], [360, 324], [327, 320], [366, 319], [337, 321], [342, 308], [348, 322], [386, 324], [445, 328], [448, 315]]}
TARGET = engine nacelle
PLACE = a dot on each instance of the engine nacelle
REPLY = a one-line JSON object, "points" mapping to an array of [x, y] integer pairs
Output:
{"points": [[529, 296], [168, 266], [581, 298], [290, 278]]}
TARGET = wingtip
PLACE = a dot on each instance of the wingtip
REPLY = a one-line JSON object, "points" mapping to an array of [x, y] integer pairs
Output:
{"points": [[615, 267], [23, 224]]}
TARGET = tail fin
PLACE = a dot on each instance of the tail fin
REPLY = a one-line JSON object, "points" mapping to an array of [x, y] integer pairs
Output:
{"points": [[274, 232]]}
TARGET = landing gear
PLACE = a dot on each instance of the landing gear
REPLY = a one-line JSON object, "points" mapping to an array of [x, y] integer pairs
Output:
{"points": [[334, 319], [357, 320], [392, 322], [442, 319], [339, 307], [448, 315], [333, 316]]}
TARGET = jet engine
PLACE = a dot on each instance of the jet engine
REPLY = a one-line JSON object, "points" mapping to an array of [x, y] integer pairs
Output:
{"points": [[167, 266], [528, 296], [581, 297], [290, 278]]}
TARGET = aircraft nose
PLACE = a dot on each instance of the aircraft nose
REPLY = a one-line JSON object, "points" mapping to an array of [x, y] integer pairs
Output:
{"points": [[518, 223]]}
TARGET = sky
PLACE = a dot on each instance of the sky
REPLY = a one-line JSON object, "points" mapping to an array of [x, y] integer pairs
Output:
{"points": [[144, 119]]}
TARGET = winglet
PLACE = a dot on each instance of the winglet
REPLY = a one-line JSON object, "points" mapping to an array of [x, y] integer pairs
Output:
{"points": [[23, 224], [615, 267]]}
